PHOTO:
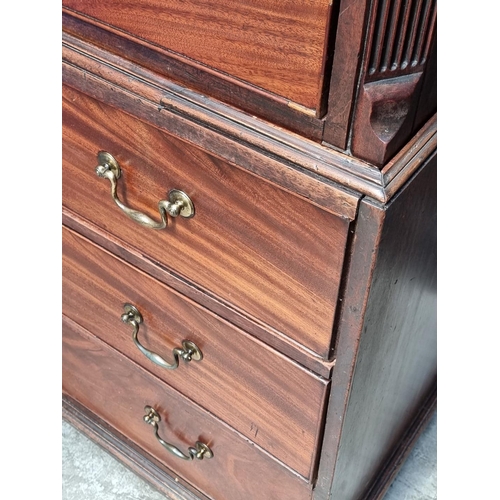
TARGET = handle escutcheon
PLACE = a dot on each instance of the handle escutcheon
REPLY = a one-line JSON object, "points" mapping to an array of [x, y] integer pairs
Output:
{"points": [[189, 351], [178, 202], [199, 451]]}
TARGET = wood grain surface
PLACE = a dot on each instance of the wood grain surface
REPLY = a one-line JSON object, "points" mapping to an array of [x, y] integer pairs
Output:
{"points": [[262, 394], [395, 363], [385, 111], [272, 255], [117, 390], [327, 178], [278, 45], [283, 159], [171, 67], [349, 46], [270, 337]]}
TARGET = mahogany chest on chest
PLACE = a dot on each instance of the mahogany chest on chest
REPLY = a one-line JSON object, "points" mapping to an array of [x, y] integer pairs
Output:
{"points": [[249, 241]]}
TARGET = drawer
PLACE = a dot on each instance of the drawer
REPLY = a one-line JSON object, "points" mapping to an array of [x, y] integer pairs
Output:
{"points": [[272, 256], [278, 47], [117, 391], [268, 398]]}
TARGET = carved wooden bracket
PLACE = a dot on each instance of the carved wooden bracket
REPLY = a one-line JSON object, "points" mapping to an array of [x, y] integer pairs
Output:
{"points": [[399, 43], [384, 116]]}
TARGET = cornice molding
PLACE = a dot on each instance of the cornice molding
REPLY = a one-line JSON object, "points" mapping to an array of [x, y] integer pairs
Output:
{"points": [[299, 165]]}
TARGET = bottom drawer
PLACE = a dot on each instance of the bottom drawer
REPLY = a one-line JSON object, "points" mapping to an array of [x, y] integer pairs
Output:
{"points": [[117, 390]]}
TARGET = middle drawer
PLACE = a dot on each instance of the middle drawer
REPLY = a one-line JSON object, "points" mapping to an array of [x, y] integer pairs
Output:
{"points": [[264, 395]]}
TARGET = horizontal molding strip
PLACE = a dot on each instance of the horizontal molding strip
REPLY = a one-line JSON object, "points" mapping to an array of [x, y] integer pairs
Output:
{"points": [[326, 177]]}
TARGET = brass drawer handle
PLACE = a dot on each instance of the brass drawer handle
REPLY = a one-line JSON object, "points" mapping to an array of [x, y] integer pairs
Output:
{"points": [[178, 202], [199, 451], [189, 351]]}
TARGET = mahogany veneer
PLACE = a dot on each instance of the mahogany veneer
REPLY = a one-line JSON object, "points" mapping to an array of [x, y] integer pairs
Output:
{"points": [[259, 392], [305, 135], [245, 242], [117, 391], [283, 43]]}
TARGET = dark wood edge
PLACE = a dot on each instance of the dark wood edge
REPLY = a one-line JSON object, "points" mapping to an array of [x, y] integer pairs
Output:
{"points": [[331, 25], [127, 452], [149, 469], [346, 70], [393, 465], [359, 267], [330, 179], [214, 114], [202, 78], [409, 170], [414, 154], [304, 357], [351, 123]]}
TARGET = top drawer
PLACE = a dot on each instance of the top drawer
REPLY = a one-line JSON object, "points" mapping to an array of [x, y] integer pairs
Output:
{"points": [[278, 46], [267, 253]]}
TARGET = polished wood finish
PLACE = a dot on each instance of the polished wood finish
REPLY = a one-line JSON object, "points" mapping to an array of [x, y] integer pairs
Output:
{"points": [[282, 159], [378, 98], [268, 106], [117, 390], [400, 37], [385, 112], [399, 42], [386, 349], [259, 392], [349, 45], [414, 155], [307, 275], [329, 179], [271, 337], [245, 243], [129, 454], [349, 109], [277, 46], [153, 472]]}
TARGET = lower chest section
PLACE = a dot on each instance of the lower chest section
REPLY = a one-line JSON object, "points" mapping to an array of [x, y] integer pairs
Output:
{"points": [[234, 411]]}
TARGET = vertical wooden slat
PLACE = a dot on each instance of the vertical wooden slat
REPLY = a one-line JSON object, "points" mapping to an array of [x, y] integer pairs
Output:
{"points": [[378, 39], [391, 35], [396, 62], [429, 34], [422, 30], [399, 36], [412, 32]]}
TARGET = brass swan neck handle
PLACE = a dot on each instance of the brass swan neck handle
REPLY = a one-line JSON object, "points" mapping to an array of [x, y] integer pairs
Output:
{"points": [[189, 351], [199, 451], [178, 202]]}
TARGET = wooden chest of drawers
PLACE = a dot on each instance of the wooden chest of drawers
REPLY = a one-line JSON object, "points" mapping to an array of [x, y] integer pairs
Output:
{"points": [[249, 250]]}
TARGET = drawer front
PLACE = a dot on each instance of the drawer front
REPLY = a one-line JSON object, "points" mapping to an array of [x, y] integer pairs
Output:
{"points": [[271, 255], [277, 46], [271, 400], [117, 391]]}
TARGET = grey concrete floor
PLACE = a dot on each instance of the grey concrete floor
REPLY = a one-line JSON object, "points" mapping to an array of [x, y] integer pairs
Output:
{"points": [[90, 473]]}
